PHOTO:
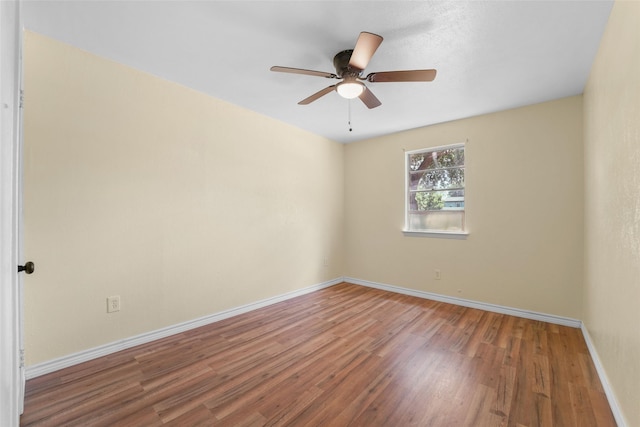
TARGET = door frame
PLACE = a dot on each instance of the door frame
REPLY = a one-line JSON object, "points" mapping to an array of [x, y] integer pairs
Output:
{"points": [[11, 369]]}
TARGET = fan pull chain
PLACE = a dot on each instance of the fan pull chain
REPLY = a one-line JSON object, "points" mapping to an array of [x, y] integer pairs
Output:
{"points": [[349, 103]]}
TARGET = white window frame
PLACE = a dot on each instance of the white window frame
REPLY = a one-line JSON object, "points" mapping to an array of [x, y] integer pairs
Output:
{"points": [[462, 234]]}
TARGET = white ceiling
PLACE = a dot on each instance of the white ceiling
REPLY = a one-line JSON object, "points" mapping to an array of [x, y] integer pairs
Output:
{"points": [[490, 55]]}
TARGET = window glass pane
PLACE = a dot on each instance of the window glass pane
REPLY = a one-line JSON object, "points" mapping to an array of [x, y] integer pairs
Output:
{"points": [[436, 200], [446, 158], [437, 179], [436, 220]]}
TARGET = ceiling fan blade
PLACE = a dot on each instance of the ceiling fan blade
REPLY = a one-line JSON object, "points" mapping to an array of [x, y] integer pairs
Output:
{"points": [[303, 71], [369, 99], [317, 95], [402, 76], [365, 48]]}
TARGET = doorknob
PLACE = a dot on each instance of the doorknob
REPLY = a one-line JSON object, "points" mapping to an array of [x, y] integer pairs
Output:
{"points": [[28, 267]]}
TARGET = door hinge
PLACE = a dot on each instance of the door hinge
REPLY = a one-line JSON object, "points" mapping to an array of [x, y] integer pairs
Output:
{"points": [[21, 98], [21, 358]]}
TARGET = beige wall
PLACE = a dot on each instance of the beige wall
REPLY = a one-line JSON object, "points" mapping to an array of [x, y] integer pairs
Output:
{"points": [[182, 204], [612, 205], [523, 204]]}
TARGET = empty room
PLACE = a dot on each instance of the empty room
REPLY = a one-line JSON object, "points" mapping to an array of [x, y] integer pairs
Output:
{"points": [[322, 213]]}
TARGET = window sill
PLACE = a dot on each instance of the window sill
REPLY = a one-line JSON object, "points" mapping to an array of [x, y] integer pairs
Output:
{"points": [[459, 235]]}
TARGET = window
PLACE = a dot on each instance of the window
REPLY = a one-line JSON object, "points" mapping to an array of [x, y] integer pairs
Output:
{"points": [[435, 190]]}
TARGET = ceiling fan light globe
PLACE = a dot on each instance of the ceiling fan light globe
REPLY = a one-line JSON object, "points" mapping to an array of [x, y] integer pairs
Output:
{"points": [[350, 89]]}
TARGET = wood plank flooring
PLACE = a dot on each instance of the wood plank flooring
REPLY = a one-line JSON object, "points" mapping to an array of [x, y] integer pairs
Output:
{"points": [[343, 356]]}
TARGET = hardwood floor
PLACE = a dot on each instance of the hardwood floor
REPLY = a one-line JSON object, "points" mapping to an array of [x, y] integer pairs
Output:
{"points": [[345, 355]]}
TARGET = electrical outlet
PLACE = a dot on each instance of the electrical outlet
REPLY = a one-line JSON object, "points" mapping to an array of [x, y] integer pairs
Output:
{"points": [[437, 274], [113, 304]]}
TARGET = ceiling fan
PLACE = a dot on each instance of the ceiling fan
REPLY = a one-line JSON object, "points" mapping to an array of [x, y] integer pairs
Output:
{"points": [[349, 66]]}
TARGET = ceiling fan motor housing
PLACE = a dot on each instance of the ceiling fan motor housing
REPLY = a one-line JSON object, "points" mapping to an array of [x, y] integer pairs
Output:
{"points": [[341, 62]]}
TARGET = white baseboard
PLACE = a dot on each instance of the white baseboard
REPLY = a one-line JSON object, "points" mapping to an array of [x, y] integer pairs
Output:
{"points": [[103, 350], [93, 353], [550, 318], [106, 349], [604, 379]]}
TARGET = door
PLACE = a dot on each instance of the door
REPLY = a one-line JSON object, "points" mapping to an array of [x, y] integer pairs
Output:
{"points": [[11, 372]]}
